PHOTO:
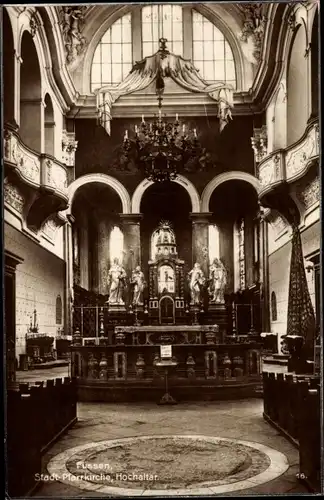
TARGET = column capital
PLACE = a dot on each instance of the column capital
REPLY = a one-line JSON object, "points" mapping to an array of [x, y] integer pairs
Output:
{"points": [[131, 218], [200, 217]]}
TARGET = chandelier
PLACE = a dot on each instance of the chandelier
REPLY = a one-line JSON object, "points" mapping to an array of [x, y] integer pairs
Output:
{"points": [[162, 149]]}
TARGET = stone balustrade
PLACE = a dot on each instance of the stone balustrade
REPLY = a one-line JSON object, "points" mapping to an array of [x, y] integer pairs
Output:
{"points": [[35, 169], [288, 165]]}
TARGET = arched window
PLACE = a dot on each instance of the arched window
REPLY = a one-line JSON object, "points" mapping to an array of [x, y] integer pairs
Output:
{"points": [[116, 244], [213, 242], [212, 54], [274, 314], [58, 310], [162, 21], [112, 60]]}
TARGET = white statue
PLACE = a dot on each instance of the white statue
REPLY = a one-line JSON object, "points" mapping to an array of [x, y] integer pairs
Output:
{"points": [[196, 282], [116, 283], [139, 284], [217, 281]]}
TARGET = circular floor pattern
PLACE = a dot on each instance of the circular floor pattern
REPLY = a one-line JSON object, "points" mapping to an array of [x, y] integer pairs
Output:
{"points": [[167, 465]]}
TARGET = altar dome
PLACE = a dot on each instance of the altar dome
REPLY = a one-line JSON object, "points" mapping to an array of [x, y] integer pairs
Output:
{"points": [[166, 241]]}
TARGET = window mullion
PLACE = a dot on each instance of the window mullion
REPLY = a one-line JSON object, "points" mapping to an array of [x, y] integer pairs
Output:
{"points": [[187, 39]]}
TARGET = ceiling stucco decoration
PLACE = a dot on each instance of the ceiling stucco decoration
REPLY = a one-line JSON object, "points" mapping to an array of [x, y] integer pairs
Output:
{"points": [[254, 26], [72, 20]]}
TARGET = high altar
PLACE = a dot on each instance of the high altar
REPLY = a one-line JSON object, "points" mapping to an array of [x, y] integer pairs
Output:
{"points": [[116, 350]]}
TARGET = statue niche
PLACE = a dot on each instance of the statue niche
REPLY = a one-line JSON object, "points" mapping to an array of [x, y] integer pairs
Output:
{"points": [[166, 278]]}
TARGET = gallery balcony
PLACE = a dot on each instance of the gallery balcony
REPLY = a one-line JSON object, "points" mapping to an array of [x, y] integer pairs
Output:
{"points": [[285, 166], [41, 179]]}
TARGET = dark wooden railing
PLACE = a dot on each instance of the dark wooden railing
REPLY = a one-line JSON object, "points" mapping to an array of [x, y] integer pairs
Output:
{"points": [[292, 405], [36, 416]]}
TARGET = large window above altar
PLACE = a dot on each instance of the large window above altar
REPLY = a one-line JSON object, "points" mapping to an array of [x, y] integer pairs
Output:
{"points": [[136, 35], [162, 21]]}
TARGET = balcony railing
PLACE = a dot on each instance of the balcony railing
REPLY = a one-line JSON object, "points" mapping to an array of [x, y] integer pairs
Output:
{"points": [[288, 165], [36, 169]]}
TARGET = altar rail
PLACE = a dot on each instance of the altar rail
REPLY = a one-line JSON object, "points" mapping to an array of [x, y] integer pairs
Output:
{"points": [[138, 362], [36, 416], [292, 405]]}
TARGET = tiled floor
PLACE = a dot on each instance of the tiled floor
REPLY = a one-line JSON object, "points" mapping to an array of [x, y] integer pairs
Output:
{"points": [[240, 419]]}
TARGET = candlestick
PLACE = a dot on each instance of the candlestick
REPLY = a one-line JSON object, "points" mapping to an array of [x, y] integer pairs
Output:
{"points": [[136, 129], [183, 128], [126, 135], [176, 117], [195, 132]]}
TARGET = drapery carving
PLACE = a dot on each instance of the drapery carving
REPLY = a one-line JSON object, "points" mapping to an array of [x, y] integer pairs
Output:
{"points": [[300, 318], [162, 65]]}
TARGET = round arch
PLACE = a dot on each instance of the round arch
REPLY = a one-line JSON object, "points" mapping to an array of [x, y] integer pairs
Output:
{"points": [[99, 21], [103, 179], [181, 180], [234, 175]]}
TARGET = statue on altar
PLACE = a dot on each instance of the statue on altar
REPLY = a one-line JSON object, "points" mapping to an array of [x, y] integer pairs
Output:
{"points": [[196, 282], [138, 282], [116, 283], [217, 282]]}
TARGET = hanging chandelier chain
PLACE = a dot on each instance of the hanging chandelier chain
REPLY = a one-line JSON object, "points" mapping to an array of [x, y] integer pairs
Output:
{"points": [[161, 148]]}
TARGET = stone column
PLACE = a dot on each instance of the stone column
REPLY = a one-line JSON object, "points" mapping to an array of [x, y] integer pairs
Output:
{"points": [[132, 241], [200, 224], [264, 274], [249, 249], [104, 228], [68, 257], [84, 250]]}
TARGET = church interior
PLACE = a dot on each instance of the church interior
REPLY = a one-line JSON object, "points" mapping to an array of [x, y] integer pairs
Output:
{"points": [[162, 238]]}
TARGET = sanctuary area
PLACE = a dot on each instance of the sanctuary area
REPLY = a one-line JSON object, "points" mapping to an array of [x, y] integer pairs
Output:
{"points": [[162, 247]]}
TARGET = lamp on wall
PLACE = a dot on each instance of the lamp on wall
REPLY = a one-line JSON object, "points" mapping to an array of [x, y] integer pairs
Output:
{"points": [[161, 149]]}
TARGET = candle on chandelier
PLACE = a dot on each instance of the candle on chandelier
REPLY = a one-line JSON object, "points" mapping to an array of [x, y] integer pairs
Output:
{"points": [[183, 128], [126, 135], [195, 132], [136, 129], [176, 117], [142, 118]]}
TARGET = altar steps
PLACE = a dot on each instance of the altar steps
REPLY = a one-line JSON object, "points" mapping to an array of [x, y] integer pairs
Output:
{"points": [[152, 390]]}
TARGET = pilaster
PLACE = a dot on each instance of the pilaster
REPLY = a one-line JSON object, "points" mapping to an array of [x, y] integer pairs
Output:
{"points": [[132, 240], [200, 243]]}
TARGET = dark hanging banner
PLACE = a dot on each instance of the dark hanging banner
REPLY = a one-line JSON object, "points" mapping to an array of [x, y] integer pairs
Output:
{"points": [[301, 317]]}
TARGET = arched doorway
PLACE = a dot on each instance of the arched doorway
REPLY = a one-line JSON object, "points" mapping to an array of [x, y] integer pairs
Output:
{"points": [[8, 70], [170, 202], [49, 126], [297, 92], [96, 208], [30, 95]]}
